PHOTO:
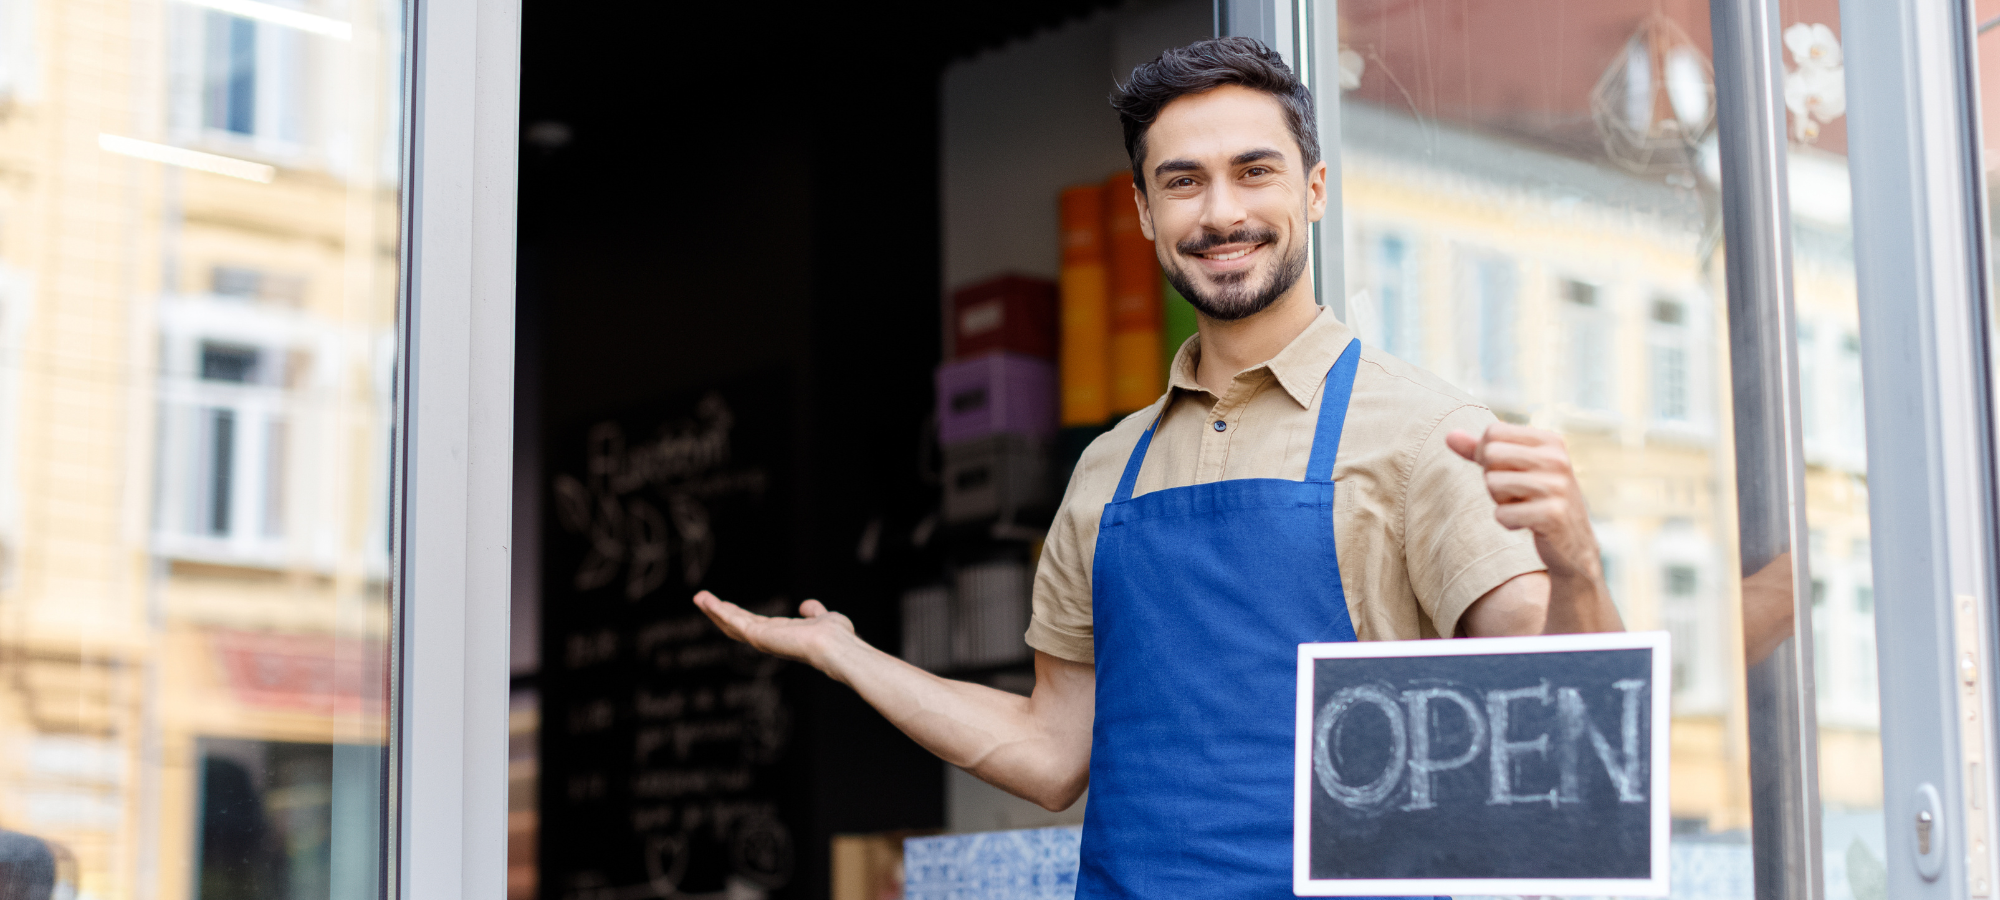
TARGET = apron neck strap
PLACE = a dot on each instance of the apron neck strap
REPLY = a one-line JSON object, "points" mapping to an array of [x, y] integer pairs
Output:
{"points": [[1333, 412], [1326, 440], [1138, 458]]}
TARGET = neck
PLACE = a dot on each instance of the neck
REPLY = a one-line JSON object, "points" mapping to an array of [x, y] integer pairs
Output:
{"points": [[1230, 347]]}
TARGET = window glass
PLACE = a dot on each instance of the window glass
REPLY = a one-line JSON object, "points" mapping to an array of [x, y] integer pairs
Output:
{"points": [[198, 281], [1574, 146]]}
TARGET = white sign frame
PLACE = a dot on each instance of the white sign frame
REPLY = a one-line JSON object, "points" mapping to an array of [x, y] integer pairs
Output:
{"points": [[1304, 885]]}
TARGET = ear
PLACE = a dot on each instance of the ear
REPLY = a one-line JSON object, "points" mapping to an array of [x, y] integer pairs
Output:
{"points": [[1316, 192], [1145, 212]]}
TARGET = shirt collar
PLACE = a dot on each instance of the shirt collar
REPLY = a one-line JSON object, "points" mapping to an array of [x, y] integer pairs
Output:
{"points": [[1300, 368]]}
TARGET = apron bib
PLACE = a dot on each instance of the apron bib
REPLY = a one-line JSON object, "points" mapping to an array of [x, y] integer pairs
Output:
{"points": [[1200, 597]]}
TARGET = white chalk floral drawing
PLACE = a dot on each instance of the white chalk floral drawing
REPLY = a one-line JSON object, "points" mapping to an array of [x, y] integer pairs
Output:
{"points": [[1816, 83]]}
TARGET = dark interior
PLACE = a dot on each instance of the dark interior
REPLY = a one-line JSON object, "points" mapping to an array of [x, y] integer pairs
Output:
{"points": [[703, 203]]}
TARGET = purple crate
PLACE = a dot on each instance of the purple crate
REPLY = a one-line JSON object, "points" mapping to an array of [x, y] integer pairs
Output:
{"points": [[999, 392]]}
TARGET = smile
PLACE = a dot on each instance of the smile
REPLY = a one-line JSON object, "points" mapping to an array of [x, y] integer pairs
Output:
{"points": [[1228, 257]]}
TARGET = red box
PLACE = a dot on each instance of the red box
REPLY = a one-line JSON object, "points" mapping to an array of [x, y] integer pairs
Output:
{"points": [[1008, 314]]}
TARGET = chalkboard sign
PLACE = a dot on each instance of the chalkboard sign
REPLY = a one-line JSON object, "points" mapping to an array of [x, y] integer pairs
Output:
{"points": [[1530, 766], [666, 747]]}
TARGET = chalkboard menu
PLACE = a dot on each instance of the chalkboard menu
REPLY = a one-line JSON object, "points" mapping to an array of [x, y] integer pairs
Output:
{"points": [[664, 742], [1530, 766]]}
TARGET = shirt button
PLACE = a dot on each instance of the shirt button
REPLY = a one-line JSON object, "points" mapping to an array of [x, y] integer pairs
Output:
{"points": [[1219, 426]]}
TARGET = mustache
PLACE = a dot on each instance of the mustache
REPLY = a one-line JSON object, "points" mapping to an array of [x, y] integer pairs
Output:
{"points": [[1211, 240]]}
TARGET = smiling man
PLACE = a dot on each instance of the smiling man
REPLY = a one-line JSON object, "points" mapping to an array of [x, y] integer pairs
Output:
{"points": [[1291, 486]]}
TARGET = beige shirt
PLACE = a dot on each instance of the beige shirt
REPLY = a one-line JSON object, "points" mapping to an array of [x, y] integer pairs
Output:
{"points": [[1412, 521]]}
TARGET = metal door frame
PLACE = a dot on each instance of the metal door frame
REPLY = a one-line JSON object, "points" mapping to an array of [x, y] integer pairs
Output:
{"points": [[1926, 339], [453, 458]]}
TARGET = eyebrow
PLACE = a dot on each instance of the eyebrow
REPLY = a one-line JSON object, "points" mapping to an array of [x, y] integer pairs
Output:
{"points": [[1258, 155], [1241, 159]]}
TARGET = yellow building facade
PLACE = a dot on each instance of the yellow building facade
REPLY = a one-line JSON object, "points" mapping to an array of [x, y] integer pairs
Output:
{"points": [[198, 256], [1587, 299]]}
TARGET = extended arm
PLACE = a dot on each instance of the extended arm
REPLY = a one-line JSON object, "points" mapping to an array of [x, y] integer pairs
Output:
{"points": [[1035, 747], [1528, 472]]}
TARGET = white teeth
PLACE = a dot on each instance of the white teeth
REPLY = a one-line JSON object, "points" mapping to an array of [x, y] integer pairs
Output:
{"points": [[1224, 257]]}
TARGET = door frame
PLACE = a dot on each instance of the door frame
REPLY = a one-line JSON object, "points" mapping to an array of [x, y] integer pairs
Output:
{"points": [[453, 462]]}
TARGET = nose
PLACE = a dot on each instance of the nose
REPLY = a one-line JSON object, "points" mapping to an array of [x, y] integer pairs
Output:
{"points": [[1222, 210]]}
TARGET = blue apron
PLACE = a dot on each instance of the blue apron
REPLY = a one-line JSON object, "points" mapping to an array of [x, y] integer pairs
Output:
{"points": [[1200, 598]]}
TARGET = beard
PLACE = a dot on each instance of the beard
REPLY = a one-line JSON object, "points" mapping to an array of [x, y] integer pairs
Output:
{"points": [[1236, 295]]}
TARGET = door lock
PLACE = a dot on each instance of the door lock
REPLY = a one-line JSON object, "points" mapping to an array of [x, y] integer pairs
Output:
{"points": [[1930, 837]]}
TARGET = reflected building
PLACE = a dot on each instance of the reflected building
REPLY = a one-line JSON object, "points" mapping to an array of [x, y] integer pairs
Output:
{"points": [[198, 256], [1575, 295]]}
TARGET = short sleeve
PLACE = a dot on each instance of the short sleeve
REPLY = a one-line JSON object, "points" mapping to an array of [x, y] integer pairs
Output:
{"points": [[1061, 622], [1455, 549]]}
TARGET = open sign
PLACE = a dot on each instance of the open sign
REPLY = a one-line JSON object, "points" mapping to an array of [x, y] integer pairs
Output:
{"points": [[1496, 766]]}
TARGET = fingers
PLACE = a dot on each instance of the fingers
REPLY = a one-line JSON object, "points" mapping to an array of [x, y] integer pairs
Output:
{"points": [[1510, 433], [1524, 457], [1514, 487], [1463, 444], [812, 609], [734, 620], [1537, 515]]}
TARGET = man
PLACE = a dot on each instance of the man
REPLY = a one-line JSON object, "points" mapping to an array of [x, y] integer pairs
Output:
{"points": [[1291, 486]]}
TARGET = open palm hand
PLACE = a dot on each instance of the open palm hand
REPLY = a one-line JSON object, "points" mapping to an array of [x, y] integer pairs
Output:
{"points": [[804, 639]]}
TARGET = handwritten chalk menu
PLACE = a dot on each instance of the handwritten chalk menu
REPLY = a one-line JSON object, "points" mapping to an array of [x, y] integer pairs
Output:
{"points": [[1530, 766], [663, 742]]}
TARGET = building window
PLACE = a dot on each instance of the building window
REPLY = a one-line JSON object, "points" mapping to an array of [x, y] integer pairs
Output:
{"points": [[1670, 361], [1486, 341], [1393, 265], [243, 283], [232, 416], [1589, 328], [229, 74], [252, 80], [1810, 420], [1847, 371], [1822, 632], [1679, 584]]}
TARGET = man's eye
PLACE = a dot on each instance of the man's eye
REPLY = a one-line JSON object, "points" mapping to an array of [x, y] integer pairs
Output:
{"points": [[1257, 172], [1183, 181]]}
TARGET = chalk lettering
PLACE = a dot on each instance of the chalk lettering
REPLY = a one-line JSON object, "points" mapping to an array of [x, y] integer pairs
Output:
{"points": [[1499, 710], [1623, 766], [1374, 792], [1422, 765]]}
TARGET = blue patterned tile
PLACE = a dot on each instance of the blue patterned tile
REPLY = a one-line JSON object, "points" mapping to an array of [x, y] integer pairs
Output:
{"points": [[1036, 864]]}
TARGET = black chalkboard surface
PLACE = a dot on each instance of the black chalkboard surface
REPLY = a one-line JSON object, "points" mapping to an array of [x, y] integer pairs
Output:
{"points": [[1530, 766], [667, 747]]}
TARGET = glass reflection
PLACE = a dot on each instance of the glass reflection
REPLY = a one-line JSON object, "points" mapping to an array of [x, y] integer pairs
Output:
{"points": [[198, 264], [1526, 194], [1532, 198]]}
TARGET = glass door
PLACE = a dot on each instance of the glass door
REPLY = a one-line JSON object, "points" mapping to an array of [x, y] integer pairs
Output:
{"points": [[1540, 203], [200, 246]]}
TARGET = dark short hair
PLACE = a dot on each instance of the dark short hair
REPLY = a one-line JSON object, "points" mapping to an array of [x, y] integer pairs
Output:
{"points": [[1204, 66]]}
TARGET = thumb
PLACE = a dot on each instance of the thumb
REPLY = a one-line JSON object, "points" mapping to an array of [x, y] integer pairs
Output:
{"points": [[1463, 444], [812, 609]]}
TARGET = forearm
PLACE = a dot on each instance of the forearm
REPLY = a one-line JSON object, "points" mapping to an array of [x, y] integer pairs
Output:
{"points": [[1015, 743], [1580, 603]]}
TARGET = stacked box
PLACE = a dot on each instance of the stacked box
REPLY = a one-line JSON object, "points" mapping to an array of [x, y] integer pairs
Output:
{"points": [[1133, 280], [1086, 310], [991, 602], [927, 627], [999, 393], [1001, 476], [1009, 314]]}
